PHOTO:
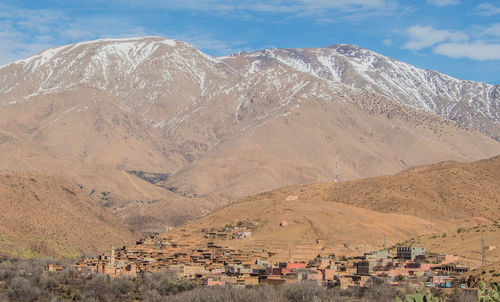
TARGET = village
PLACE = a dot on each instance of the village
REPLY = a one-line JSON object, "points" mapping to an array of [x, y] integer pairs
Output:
{"points": [[210, 264]]}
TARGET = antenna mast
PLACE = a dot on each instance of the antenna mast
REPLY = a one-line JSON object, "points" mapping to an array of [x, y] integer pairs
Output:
{"points": [[336, 179]]}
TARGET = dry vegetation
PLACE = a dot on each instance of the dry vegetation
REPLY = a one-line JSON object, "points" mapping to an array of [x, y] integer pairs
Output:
{"points": [[27, 281], [444, 191]]}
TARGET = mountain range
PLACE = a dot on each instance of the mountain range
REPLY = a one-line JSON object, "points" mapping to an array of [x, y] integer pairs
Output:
{"points": [[168, 133]]}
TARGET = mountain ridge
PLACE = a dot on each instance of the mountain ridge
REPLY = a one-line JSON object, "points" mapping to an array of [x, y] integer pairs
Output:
{"points": [[338, 63], [360, 68], [220, 128]]}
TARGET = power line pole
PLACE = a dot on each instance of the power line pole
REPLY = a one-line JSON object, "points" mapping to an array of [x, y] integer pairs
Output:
{"points": [[483, 250], [336, 179]]}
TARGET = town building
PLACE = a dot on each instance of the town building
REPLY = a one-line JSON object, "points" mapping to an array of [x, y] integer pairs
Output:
{"points": [[410, 252]]}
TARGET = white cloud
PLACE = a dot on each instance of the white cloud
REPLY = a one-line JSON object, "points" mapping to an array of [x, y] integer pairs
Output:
{"points": [[492, 30], [441, 3], [24, 32], [426, 36], [476, 51], [487, 9], [210, 45], [482, 42], [345, 9], [267, 6], [387, 42]]}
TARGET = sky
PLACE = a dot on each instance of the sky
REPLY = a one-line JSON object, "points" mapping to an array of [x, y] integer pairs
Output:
{"points": [[460, 38]]}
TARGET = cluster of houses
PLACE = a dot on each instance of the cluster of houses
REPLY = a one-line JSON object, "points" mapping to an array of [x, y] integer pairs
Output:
{"points": [[213, 265], [411, 265]]}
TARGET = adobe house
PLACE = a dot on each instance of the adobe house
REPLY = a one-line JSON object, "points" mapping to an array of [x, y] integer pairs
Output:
{"points": [[262, 263], [54, 268], [212, 282], [296, 265], [272, 280], [211, 235], [242, 235], [193, 270]]}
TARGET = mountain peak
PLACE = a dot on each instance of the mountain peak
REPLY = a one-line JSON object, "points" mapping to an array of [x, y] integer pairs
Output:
{"points": [[120, 45], [147, 63]]}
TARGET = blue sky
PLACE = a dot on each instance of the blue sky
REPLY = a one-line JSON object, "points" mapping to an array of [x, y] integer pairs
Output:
{"points": [[457, 37]]}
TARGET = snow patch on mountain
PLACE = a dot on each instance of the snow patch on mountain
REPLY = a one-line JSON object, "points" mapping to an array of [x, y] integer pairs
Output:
{"points": [[140, 72]]}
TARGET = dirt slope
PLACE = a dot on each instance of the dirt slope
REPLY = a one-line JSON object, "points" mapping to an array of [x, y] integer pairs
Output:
{"points": [[465, 241], [50, 216]]}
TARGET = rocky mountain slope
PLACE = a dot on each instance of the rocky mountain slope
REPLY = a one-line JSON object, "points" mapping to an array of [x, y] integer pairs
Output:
{"points": [[471, 103], [229, 126], [358, 216]]}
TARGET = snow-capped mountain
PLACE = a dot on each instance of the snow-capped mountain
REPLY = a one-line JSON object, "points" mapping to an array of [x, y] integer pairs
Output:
{"points": [[234, 125], [137, 71], [141, 71], [470, 103]]}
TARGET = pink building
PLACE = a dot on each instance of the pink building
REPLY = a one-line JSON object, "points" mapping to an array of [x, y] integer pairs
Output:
{"points": [[212, 282], [296, 265]]}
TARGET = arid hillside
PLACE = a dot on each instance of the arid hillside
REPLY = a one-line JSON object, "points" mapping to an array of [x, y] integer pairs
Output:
{"points": [[444, 191], [465, 241], [352, 217], [50, 216], [221, 129], [373, 135]]}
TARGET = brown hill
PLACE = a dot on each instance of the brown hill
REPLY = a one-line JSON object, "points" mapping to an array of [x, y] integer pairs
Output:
{"points": [[447, 190], [465, 241], [50, 216], [356, 216]]}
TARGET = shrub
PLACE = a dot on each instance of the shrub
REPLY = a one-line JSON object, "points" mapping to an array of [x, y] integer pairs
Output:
{"points": [[303, 291], [463, 296], [22, 289], [153, 295], [122, 285], [98, 288], [229, 294], [379, 291]]}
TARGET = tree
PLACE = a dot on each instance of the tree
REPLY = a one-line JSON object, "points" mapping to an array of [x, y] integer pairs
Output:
{"points": [[99, 288], [21, 289]]}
